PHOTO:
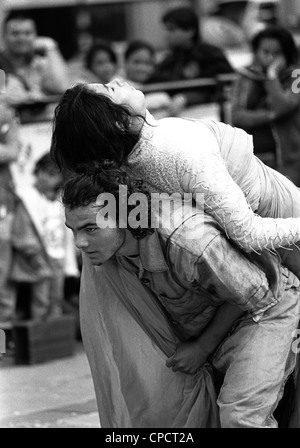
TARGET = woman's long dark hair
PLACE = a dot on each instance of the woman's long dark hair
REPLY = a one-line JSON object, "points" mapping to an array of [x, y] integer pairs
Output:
{"points": [[89, 126]]}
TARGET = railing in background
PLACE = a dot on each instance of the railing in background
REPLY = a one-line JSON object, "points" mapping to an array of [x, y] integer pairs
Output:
{"points": [[41, 110], [220, 83]]}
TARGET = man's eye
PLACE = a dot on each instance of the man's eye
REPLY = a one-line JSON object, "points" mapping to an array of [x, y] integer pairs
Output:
{"points": [[90, 229]]}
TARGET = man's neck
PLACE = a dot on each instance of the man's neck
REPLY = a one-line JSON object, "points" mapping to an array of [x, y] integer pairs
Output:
{"points": [[130, 246]]}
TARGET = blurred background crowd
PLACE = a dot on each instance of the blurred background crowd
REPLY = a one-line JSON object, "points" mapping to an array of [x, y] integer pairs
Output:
{"points": [[200, 59]]}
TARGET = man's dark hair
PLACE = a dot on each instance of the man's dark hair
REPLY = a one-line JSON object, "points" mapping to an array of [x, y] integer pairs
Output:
{"points": [[82, 189], [17, 15], [283, 36], [184, 18]]}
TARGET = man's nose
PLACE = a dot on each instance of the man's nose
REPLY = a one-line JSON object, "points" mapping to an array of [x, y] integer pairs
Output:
{"points": [[81, 242]]}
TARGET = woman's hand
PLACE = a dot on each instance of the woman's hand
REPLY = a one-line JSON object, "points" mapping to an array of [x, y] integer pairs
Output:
{"points": [[188, 358]]}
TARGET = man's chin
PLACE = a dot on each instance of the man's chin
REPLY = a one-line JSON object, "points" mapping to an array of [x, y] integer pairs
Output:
{"points": [[96, 262]]}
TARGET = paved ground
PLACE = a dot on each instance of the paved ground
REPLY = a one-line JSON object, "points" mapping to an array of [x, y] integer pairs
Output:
{"points": [[56, 394]]}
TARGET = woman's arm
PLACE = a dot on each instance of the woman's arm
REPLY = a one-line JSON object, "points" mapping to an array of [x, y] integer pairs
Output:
{"points": [[205, 174]]}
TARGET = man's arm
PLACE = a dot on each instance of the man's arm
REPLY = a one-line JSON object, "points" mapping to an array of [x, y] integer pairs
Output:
{"points": [[191, 356], [238, 284]]}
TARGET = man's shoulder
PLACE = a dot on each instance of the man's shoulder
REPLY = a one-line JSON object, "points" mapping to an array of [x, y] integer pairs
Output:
{"points": [[193, 235]]}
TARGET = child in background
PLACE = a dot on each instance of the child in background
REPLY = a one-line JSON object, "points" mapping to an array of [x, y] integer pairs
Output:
{"points": [[41, 242], [139, 66]]}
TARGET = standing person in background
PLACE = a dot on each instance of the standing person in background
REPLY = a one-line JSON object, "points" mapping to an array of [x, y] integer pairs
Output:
{"points": [[139, 65], [187, 56], [9, 151], [33, 65], [264, 104], [41, 241]]}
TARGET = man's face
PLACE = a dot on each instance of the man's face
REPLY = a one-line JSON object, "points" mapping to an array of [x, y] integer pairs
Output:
{"points": [[98, 244], [19, 36]]}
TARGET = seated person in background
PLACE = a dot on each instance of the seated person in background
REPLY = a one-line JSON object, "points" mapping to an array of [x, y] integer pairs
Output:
{"points": [[187, 56], [139, 66], [101, 63], [33, 65], [41, 242], [264, 104]]}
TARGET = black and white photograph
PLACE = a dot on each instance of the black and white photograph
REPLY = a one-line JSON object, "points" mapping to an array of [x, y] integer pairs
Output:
{"points": [[149, 217]]}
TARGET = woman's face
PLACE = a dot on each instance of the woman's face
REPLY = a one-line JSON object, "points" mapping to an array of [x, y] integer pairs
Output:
{"points": [[268, 50], [140, 65], [122, 93]]}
